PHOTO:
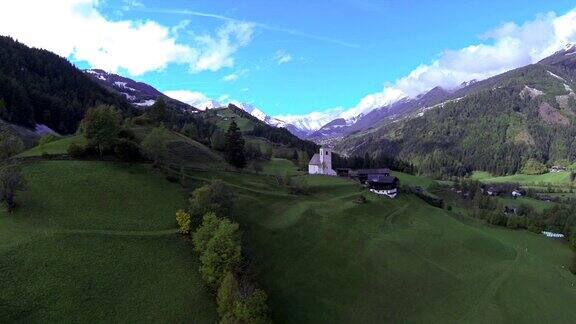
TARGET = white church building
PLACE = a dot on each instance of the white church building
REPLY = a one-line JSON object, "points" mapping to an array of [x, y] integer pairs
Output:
{"points": [[321, 163]]}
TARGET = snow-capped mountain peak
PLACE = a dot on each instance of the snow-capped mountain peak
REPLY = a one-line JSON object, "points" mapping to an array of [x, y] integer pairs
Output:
{"points": [[259, 114]]}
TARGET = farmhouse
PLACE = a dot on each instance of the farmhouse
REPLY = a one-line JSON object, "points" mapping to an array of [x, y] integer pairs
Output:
{"points": [[378, 181], [363, 174], [321, 163], [383, 185], [557, 168], [493, 191]]}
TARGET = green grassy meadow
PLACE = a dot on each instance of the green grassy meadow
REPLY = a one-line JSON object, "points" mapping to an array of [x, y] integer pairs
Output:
{"points": [[96, 242], [537, 205], [59, 146], [559, 178], [281, 167], [323, 258], [225, 117]]}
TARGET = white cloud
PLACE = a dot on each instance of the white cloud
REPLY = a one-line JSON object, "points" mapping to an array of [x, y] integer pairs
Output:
{"points": [[131, 4], [198, 99], [230, 77], [193, 98], [217, 52], [281, 57], [76, 29], [234, 76], [224, 97], [507, 47]]}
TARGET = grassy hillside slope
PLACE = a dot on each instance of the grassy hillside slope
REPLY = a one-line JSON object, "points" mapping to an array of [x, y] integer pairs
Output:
{"points": [[323, 258], [96, 242]]}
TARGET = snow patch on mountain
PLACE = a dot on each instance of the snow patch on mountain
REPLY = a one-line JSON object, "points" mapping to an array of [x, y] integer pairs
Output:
{"points": [[145, 103], [532, 92], [556, 76], [129, 97], [122, 85]]}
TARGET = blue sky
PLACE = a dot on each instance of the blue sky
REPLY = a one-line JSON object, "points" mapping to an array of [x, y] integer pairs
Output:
{"points": [[297, 57]]}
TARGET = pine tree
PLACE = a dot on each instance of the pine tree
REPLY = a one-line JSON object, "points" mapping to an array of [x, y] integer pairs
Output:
{"points": [[157, 111], [295, 156], [235, 147]]}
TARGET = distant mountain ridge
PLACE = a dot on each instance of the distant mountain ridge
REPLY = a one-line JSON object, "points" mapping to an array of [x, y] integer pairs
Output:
{"points": [[331, 133], [139, 94], [494, 125], [142, 95]]}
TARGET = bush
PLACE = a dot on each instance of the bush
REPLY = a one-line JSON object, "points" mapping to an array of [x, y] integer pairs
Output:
{"points": [[573, 265], [127, 133], [205, 232], [76, 151], [497, 218], [142, 121], [573, 241], [361, 200], [127, 150], [216, 197], [427, 197], [241, 303], [515, 222], [184, 221], [535, 226], [222, 253], [228, 294], [253, 308], [533, 167], [10, 145], [252, 151]]}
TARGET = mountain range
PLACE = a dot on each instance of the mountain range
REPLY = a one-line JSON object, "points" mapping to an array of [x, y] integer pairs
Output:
{"points": [[142, 95], [495, 125]]}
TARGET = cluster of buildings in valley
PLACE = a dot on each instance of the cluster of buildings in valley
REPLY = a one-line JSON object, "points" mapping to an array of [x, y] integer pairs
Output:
{"points": [[378, 181]]}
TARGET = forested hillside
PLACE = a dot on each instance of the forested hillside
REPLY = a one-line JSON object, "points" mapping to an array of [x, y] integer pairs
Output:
{"points": [[496, 125], [39, 87]]}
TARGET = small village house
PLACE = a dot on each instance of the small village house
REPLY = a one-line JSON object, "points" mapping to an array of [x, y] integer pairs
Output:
{"points": [[363, 174], [557, 168], [383, 185], [516, 193], [378, 181]]}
